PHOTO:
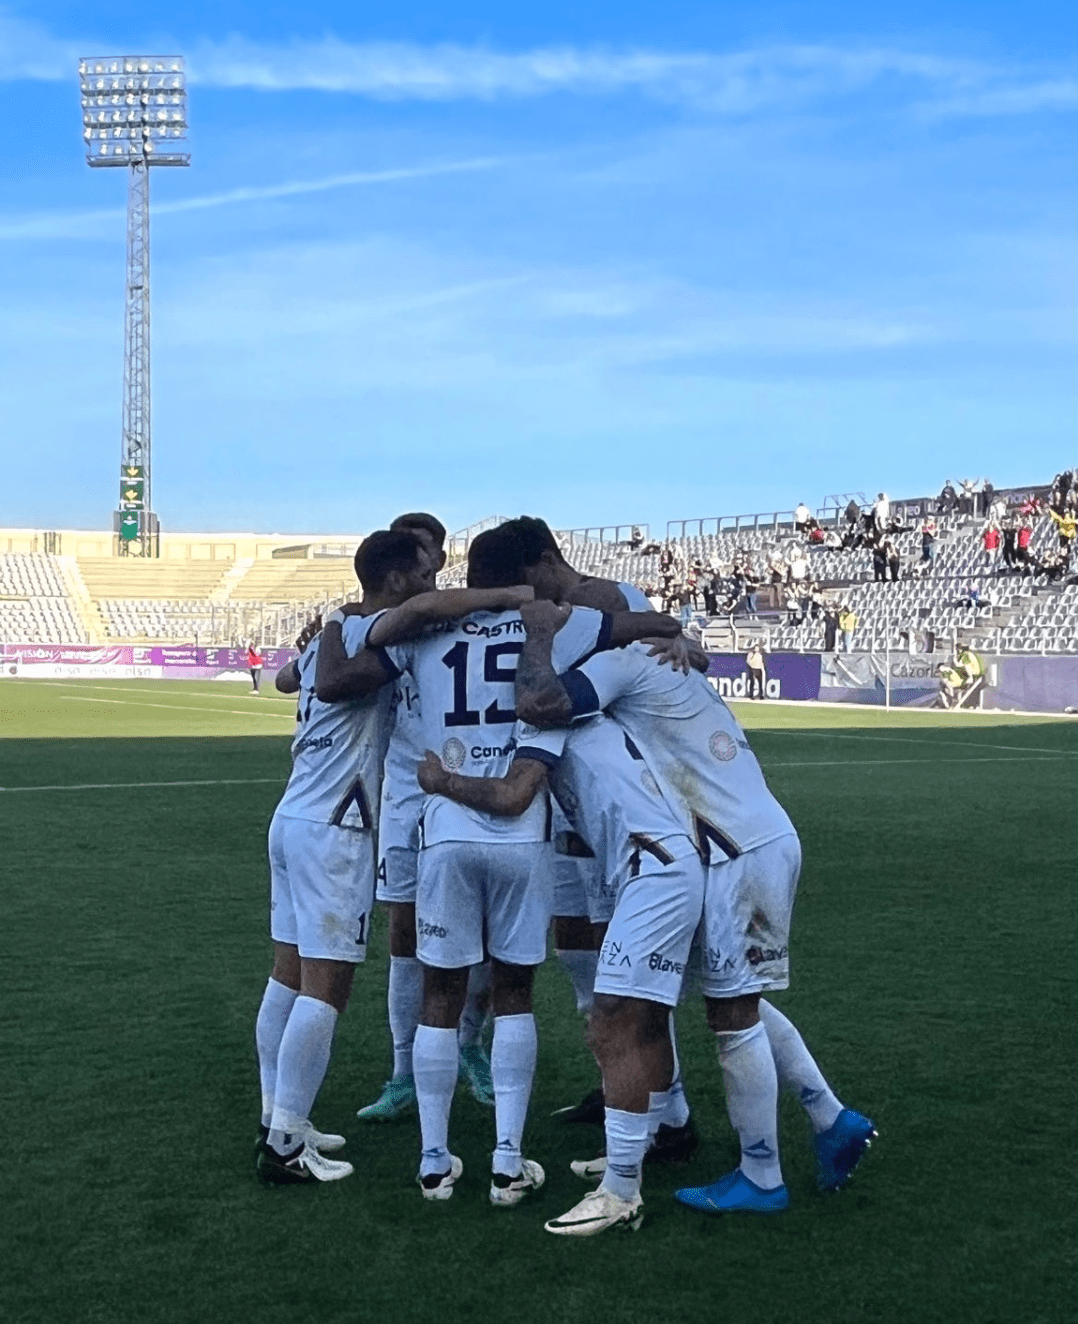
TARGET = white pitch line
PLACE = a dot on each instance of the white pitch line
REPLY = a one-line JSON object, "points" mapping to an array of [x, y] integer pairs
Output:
{"points": [[133, 786], [912, 740], [175, 707], [899, 763], [145, 689]]}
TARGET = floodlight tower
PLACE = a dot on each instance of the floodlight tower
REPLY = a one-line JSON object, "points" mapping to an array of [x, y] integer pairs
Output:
{"points": [[134, 114]]}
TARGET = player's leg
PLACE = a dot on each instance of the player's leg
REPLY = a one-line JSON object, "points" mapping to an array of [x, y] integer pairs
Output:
{"points": [[280, 994], [435, 1058], [518, 897], [577, 951], [397, 891], [638, 982], [474, 1061], [449, 941], [747, 910], [331, 873], [840, 1134]]}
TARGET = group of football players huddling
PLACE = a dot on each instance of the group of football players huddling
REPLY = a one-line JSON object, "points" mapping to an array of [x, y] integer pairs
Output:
{"points": [[538, 746]]}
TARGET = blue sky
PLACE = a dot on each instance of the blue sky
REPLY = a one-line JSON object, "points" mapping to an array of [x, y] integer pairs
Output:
{"points": [[603, 263]]}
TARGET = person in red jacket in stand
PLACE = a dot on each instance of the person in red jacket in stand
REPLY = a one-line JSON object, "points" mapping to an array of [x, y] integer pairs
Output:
{"points": [[991, 544], [1025, 537], [254, 665]]}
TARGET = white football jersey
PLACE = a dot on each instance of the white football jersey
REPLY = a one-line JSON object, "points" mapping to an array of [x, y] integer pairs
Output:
{"points": [[692, 743], [465, 671], [338, 748], [601, 780], [402, 795], [636, 600]]}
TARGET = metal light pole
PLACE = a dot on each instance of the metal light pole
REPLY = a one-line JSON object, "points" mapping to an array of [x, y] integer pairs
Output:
{"points": [[134, 114]]}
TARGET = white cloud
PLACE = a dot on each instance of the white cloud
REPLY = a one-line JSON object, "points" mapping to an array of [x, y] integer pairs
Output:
{"points": [[76, 224], [734, 83]]}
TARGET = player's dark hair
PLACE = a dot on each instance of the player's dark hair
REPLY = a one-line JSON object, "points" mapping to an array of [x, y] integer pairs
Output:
{"points": [[421, 520], [533, 538], [494, 560], [384, 551]]}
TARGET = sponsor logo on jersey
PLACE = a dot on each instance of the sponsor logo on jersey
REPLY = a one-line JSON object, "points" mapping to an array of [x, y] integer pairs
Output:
{"points": [[664, 965], [611, 954], [758, 955], [314, 742], [718, 963], [425, 929], [493, 631], [453, 754], [493, 751], [723, 746]]}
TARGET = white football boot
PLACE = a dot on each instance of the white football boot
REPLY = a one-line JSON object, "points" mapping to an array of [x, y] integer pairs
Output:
{"points": [[439, 1185], [506, 1190], [598, 1211]]}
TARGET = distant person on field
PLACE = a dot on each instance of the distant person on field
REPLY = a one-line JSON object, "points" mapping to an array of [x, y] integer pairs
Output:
{"points": [[754, 660], [254, 665]]}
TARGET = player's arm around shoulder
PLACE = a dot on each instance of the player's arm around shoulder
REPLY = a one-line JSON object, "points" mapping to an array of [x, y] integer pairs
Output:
{"points": [[503, 797], [411, 618], [338, 676], [540, 697]]}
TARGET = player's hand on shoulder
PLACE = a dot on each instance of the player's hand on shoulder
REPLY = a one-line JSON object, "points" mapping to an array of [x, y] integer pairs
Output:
{"points": [[432, 776], [676, 652], [308, 632], [542, 615]]}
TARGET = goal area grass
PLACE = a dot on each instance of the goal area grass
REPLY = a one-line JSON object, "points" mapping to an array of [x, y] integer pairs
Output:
{"points": [[933, 976]]}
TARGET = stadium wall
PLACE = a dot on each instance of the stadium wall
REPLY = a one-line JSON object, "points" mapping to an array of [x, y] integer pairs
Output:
{"points": [[1032, 684]]}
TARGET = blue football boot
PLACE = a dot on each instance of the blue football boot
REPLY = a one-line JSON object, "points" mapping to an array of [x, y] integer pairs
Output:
{"points": [[734, 1194], [840, 1148]]}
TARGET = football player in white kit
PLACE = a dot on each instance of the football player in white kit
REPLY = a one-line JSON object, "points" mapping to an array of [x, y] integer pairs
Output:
{"points": [[321, 851], [484, 884], [701, 759], [610, 795], [584, 894], [398, 851]]}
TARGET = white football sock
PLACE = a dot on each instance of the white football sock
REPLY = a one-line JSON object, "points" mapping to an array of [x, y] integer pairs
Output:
{"points": [[405, 1002], [512, 1069], [580, 966], [269, 1027], [434, 1065], [752, 1097], [476, 1005], [677, 1105], [301, 1067], [797, 1068], [627, 1141]]}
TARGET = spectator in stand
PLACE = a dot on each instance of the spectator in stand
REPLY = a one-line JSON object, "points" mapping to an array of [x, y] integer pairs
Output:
{"points": [[666, 557], [802, 515], [815, 534], [1066, 525], [879, 563], [707, 588], [798, 570], [894, 560], [830, 629], [929, 532], [751, 585], [853, 513], [794, 614], [254, 665], [1008, 532], [847, 623], [997, 511], [754, 660], [987, 491], [1023, 539], [991, 541], [881, 512], [948, 498], [966, 500], [636, 539]]}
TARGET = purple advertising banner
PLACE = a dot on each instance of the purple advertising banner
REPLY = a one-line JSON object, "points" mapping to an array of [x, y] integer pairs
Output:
{"points": [[787, 675], [1034, 684]]}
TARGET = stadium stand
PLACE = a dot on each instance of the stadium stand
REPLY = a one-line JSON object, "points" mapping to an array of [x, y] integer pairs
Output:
{"points": [[240, 587]]}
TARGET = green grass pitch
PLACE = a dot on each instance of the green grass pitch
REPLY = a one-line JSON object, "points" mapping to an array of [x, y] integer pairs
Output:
{"points": [[933, 975]]}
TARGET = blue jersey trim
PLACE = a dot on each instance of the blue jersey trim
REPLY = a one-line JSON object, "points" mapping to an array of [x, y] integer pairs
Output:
{"points": [[583, 699]]}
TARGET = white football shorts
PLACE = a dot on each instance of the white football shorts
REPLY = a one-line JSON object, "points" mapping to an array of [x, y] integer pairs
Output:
{"points": [[397, 871], [321, 888], [748, 906], [647, 944], [468, 889]]}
